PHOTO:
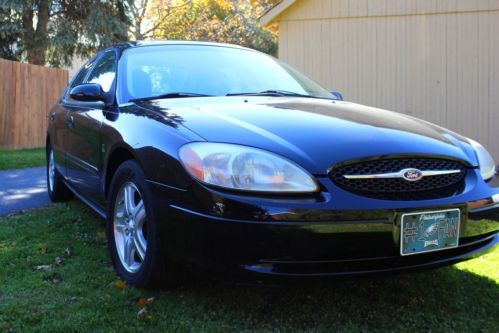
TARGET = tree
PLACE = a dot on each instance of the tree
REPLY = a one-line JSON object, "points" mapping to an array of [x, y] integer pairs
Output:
{"points": [[9, 35], [226, 21], [142, 27], [53, 31]]}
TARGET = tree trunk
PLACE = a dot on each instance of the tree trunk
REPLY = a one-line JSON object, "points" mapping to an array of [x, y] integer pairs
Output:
{"points": [[36, 40], [29, 31], [36, 57]]}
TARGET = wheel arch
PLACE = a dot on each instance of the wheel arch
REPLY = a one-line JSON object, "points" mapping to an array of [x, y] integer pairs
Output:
{"points": [[118, 156]]}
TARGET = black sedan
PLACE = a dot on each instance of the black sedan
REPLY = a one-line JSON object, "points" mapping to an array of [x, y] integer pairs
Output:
{"points": [[223, 159]]}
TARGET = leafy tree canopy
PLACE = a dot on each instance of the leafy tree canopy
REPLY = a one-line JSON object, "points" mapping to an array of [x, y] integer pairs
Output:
{"points": [[225, 21], [53, 31]]}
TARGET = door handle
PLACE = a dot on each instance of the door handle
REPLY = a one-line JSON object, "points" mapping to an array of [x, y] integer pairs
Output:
{"points": [[70, 121]]}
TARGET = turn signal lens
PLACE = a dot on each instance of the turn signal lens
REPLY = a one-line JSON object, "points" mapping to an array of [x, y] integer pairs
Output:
{"points": [[485, 160]]}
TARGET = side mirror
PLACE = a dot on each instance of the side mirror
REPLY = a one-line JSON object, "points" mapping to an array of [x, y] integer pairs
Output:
{"points": [[88, 92], [337, 95]]}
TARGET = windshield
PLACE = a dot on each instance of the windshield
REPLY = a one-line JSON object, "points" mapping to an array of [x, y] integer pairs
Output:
{"points": [[207, 70]]}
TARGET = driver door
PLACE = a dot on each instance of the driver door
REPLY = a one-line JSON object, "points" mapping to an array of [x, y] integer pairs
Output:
{"points": [[84, 121]]}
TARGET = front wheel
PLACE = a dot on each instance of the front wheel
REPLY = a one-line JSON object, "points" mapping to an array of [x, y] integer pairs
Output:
{"points": [[56, 188], [132, 231]]}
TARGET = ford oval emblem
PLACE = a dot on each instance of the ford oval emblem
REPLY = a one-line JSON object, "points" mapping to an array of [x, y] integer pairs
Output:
{"points": [[412, 175]]}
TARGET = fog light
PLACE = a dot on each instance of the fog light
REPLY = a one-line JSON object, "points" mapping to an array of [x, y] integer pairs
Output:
{"points": [[495, 197]]}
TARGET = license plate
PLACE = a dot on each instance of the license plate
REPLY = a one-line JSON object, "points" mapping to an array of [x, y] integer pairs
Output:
{"points": [[429, 231]]}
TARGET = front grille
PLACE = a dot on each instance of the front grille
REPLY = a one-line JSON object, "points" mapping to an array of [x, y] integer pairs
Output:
{"points": [[430, 187]]}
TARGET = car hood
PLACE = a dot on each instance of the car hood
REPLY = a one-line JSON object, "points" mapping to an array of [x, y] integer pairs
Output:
{"points": [[315, 133]]}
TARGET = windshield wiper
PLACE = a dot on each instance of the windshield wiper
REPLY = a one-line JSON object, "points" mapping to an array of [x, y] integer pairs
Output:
{"points": [[170, 95], [273, 93]]}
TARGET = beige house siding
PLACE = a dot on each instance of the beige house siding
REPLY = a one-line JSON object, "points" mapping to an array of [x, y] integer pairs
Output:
{"points": [[434, 59]]}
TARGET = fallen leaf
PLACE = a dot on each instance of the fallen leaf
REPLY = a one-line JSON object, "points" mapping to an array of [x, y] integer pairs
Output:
{"points": [[142, 302], [54, 280], [120, 284], [101, 235], [43, 249], [68, 252], [58, 261], [413, 301], [142, 314], [43, 267], [14, 243]]}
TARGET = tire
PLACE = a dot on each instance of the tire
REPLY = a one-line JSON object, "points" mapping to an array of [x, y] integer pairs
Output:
{"points": [[132, 231], [56, 188]]}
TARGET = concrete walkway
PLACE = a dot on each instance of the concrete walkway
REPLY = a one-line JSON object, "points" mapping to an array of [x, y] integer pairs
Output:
{"points": [[22, 189]]}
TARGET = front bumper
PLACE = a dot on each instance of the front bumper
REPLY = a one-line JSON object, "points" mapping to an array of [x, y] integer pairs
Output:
{"points": [[259, 239]]}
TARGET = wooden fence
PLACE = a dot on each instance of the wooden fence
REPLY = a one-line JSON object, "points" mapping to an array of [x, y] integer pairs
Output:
{"points": [[27, 92]]}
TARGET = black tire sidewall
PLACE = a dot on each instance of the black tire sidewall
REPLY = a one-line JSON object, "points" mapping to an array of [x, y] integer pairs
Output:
{"points": [[150, 270], [59, 190]]}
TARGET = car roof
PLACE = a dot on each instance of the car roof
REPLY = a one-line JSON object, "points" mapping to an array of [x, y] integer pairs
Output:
{"points": [[142, 43]]}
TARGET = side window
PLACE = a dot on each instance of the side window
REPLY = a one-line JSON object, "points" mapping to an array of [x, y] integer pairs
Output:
{"points": [[104, 71], [78, 79]]}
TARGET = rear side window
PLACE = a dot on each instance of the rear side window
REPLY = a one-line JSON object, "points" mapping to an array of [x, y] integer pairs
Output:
{"points": [[104, 71]]}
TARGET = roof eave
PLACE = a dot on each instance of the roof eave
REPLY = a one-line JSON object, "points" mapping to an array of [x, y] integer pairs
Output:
{"points": [[269, 17]]}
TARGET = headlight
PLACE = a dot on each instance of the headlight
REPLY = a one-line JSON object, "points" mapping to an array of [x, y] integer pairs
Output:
{"points": [[244, 168], [485, 160]]}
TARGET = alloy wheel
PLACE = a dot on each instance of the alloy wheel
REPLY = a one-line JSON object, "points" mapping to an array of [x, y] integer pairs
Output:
{"points": [[130, 223], [51, 171]]}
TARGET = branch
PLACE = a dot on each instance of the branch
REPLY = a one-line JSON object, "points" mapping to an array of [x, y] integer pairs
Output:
{"points": [[167, 11]]}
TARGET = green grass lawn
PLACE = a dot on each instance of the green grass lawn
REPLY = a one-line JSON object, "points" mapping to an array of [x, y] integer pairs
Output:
{"points": [[82, 294], [21, 158]]}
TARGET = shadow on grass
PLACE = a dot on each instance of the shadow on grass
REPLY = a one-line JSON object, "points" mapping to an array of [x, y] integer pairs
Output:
{"points": [[85, 296], [447, 299]]}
